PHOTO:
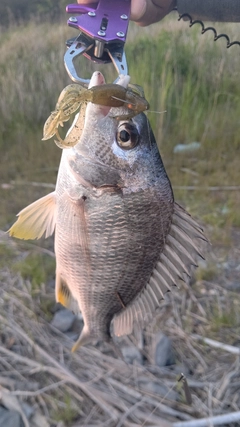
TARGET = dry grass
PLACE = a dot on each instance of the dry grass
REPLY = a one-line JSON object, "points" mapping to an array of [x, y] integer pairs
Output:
{"points": [[91, 387]]}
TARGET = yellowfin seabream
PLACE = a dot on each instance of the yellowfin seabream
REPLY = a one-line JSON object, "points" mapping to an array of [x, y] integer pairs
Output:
{"points": [[121, 241]]}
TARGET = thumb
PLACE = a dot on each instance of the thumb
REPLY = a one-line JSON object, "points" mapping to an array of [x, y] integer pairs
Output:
{"points": [[146, 12]]}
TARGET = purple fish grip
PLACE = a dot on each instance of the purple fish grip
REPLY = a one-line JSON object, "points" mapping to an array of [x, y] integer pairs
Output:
{"points": [[81, 8], [107, 21]]}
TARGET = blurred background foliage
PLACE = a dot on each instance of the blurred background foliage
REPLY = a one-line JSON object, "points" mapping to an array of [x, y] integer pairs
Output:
{"points": [[186, 74], [19, 11]]}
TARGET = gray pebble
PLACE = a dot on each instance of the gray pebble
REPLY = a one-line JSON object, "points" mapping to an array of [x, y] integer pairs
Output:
{"points": [[155, 387], [181, 369], [63, 320], [132, 355], [162, 352], [27, 409], [72, 335], [10, 418]]}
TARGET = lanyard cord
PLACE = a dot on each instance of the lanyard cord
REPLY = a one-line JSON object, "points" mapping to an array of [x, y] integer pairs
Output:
{"points": [[205, 29]]}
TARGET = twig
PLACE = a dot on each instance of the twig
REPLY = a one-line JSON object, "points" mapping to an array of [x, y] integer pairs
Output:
{"points": [[63, 373], [37, 392], [128, 412], [12, 403], [213, 421], [217, 344], [194, 299], [38, 249], [180, 333], [225, 384], [196, 188], [33, 184], [154, 402]]}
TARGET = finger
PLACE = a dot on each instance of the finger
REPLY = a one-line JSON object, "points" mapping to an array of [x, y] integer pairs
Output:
{"points": [[146, 12], [138, 9], [87, 1]]}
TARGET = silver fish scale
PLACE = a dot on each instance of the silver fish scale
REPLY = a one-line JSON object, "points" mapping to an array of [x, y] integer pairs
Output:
{"points": [[125, 235]]}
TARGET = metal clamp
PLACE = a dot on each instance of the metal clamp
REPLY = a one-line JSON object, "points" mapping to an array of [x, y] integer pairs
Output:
{"points": [[102, 37]]}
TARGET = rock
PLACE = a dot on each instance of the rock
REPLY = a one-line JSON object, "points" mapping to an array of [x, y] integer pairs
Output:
{"points": [[132, 355], [27, 409], [10, 418], [181, 369], [72, 335], [183, 148], [63, 320], [155, 387], [39, 420], [161, 350]]}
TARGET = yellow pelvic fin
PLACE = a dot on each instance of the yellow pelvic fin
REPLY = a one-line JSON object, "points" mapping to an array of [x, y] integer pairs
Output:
{"points": [[62, 292], [35, 220]]}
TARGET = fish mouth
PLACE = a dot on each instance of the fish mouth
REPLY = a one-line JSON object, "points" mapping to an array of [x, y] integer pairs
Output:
{"points": [[98, 79], [96, 170]]}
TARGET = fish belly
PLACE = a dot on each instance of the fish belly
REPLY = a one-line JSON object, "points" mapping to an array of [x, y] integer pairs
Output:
{"points": [[107, 247]]}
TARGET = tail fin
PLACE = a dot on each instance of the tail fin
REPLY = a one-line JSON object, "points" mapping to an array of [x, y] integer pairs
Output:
{"points": [[86, 337]]}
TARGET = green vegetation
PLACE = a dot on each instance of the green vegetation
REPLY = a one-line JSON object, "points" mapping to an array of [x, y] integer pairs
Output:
{"points": [[38, 268], [207, 273], [17, 11], [7, 254], [67, 413]]}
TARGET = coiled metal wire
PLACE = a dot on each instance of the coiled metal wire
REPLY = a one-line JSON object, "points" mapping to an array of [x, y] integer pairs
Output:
{"points": [[205, 29]]}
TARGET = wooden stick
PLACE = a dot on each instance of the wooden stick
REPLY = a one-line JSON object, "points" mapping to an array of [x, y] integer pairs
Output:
{"points": [[195, 188], [211, 421], [62, 372], [33, 184], [217, 344]]}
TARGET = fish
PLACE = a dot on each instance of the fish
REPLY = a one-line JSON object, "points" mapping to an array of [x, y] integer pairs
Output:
{"points": [[121, 241]]}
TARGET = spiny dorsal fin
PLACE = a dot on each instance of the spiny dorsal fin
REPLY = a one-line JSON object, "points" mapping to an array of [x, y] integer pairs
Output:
{"points": [[181, 250], [36, 219]]}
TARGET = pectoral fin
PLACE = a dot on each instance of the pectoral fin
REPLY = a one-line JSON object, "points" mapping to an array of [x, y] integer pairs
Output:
{"points": [[35, 220]]}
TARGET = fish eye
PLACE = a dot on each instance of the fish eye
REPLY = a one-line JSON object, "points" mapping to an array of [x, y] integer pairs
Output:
{"points": [[127, 136]]}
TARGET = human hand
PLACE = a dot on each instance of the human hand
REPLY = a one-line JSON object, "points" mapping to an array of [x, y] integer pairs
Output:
{"points": [[146, 12]]}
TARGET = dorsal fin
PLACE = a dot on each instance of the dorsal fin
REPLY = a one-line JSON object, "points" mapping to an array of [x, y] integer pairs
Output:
{"points": [[36, 219], [181, 250]]}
